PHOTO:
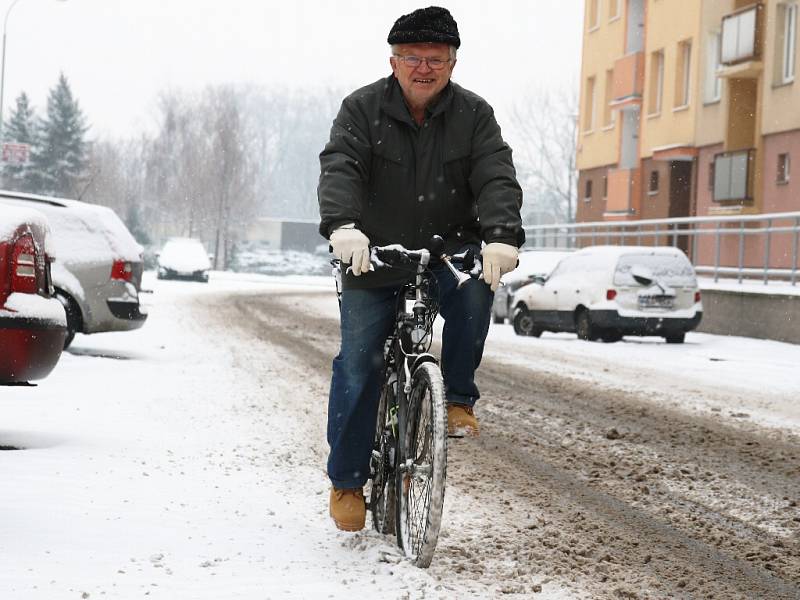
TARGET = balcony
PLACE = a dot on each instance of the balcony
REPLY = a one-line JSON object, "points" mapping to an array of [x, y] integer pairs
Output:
{"points": [[628, 80], [733, 176], [740, 51]]}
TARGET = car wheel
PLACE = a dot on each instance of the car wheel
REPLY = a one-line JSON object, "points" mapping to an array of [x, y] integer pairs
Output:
{"points": [[524, 323], [584, 327], [675, 338], [609, 336], [73, 316], [497, 320]]}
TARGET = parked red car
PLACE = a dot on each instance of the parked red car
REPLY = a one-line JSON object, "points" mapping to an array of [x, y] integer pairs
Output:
{"points": [[32, 322]]}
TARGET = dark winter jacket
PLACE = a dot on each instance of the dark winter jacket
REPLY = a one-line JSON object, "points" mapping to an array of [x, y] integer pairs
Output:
{"points": [[400, 182]]}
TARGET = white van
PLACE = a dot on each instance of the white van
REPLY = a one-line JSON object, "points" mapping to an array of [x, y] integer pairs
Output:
{"points": [[605, 292]]}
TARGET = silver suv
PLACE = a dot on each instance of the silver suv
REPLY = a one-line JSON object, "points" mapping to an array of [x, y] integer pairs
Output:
{"points": [[98, 274]]}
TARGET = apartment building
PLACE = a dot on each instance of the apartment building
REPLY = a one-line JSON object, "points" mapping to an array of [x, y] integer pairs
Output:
{"points": [[689, 108]]}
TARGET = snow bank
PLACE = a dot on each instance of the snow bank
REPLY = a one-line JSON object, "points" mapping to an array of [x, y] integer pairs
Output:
{"points": [[256, 258]]}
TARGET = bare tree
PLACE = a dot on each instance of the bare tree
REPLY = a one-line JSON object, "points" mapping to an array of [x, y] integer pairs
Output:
{"points": [[291, 129], [217, 159], [228, 166], [544, 138]]}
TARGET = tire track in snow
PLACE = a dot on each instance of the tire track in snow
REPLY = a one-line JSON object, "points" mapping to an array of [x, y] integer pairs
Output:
{"points": [[583, 499]]}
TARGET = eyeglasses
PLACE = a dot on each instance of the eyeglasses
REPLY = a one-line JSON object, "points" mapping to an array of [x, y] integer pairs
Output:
{"points": [[414, 61]]}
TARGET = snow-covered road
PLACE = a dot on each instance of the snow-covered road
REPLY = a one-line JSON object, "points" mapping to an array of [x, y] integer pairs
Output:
{"points": [[186, 460]]}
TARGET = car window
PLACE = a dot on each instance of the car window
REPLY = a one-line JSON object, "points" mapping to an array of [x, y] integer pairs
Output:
{"points": [[562, 267], [674, 270]]}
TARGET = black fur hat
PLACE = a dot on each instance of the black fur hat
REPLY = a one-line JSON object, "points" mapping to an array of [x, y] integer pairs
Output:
{"points": [[432, 24]]}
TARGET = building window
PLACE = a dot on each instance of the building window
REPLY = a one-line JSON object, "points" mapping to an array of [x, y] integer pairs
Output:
{"points": [[656, 82], [683, 74], [613, 9], [587, 194], [711, 167], [608, 114], [733, 176], [713, 82], [594, 15], [653, 187], [786, 43], [588, 110], [784, 165], [605, 186]]}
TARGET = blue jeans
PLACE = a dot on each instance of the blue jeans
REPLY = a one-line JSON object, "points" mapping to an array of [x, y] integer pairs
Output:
{"points": [[367, 319]]}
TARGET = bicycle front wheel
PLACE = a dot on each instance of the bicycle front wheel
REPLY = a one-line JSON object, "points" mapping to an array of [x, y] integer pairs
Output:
{"points": [[421, 470]]}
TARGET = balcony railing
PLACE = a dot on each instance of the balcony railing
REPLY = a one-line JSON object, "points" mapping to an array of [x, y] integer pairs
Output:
{"points": [[733, 176], [741, 36], [765, 246]]}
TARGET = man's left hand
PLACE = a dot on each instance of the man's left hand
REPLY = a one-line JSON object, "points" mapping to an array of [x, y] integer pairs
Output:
{"points": [[498, 259]]}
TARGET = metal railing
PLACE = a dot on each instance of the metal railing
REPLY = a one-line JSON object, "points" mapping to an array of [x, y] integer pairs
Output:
{"points": [[742, 236]]}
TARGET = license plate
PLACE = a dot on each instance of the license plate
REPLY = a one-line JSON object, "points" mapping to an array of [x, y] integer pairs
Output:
{"points": [[656, 301]]}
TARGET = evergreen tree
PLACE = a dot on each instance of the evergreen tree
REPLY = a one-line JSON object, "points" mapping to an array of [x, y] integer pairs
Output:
{"points": [[61, 156], [21, 129]]}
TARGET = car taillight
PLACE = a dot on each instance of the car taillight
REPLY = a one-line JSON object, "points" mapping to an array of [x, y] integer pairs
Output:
{"points": [[697, 296], [121, 270], [23, 266], [611, 294]]}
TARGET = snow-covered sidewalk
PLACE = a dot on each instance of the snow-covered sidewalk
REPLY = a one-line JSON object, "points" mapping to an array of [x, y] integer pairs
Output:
{"points": [[160, 463]]}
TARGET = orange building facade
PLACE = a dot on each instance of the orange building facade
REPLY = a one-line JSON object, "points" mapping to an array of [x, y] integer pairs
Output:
{"points": [[690, 108]]}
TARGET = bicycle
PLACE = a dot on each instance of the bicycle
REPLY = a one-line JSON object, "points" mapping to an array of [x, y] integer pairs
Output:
{"points": [[409, 459]]}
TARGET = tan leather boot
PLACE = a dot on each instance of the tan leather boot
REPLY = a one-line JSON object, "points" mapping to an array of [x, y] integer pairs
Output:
{"points": [[461, 421], [348, 509]]}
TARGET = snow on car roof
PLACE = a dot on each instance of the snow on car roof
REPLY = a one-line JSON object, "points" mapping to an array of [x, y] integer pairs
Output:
{"points": [[535, 262], [11, 217], [620, 250], [82, 232], [184, 254]]}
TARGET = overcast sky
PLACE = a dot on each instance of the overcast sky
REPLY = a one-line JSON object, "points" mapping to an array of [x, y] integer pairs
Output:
{"points": [[118, 54]]}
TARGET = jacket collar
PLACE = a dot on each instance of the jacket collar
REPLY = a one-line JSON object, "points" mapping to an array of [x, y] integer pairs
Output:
{"points": [[394, 105]]}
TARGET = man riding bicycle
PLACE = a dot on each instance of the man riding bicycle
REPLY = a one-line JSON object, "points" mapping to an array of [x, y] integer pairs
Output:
{"points": [[411, 156]]}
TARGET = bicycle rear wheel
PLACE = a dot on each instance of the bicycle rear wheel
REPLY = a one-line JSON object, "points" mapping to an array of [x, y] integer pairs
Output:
{"points": [[382, 492], [422, 466]]}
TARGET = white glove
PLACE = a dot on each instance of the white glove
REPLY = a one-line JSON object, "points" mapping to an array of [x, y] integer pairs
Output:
{"points": [[498, 259], [351, 247]]}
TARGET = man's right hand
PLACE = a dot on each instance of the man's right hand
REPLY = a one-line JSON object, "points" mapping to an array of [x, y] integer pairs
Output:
{"points": [[351, 247]]}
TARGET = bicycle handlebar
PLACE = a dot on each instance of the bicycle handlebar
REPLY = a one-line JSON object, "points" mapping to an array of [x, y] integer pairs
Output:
{"points": [[394, 255]]}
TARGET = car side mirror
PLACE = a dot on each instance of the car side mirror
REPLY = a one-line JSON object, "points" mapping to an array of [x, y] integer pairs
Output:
{"points": [[540, 279]]}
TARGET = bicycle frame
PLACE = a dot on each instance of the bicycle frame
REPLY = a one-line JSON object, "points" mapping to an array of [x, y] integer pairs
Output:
{"points": [[408, 349]]}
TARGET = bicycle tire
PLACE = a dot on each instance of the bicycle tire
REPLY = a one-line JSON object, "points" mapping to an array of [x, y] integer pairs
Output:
{"points": [[382, 491], [422, 467]]}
